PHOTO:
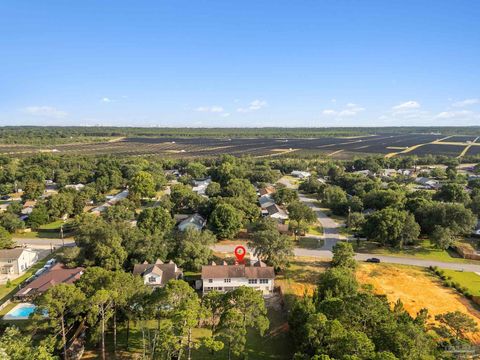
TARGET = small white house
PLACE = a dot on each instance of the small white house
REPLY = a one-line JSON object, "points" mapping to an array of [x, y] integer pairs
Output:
{"points": [[275, 212], [158, 274], [195, 221], [200, 186], [226, 278], [77, 187], [300, 174], [428, 183], [15, 261]]}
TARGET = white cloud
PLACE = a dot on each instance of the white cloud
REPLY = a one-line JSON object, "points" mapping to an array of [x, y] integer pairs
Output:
{"points": [[211, 109], [253, 106], [466, 102], [409, 105], [106, 100], [350, 110], [329, 112], [225, 114], [45, 111], [454, 114]]}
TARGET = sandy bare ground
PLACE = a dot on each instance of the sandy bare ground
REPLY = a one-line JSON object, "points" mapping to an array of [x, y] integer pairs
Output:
{"points": [[417, 289]]}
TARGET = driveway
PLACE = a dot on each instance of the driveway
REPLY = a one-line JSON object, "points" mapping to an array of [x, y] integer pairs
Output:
{"points": [[331, 229]]}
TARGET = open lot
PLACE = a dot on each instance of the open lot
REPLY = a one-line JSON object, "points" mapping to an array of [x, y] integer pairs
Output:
{"points": [[417, 288], [336, 147]]}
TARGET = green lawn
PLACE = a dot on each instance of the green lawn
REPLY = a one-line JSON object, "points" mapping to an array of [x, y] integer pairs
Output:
{"points": [[53, 225], [469, 280], [425, 250], [315, 229], [309, 243], [274, 345]]}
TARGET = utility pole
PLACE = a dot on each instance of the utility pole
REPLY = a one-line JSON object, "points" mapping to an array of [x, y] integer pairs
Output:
{"points": [[61, 234]]}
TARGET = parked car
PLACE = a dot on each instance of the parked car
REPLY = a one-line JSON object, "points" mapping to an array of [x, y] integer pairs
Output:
{"points": [[40, 271], [373, 260], [5, 197]]}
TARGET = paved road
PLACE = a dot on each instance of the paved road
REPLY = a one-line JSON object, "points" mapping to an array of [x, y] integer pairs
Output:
{"points": [[43, 243], [331, 233], [326, 254]]}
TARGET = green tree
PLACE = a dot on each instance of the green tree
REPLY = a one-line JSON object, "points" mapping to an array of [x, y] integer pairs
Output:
{"points": [[16, 346], [452, 192], [142, 185], [285, 196], [336, 282], [196, 170], [301, 216], [213, 189], [344, 256], [457, 323], [391, 226], [184, 308], [246, 309], [122, 211], [11, 222], [6, 241], [39, 216], [61, 301], [101, 305], [226, 221], [442, 237], [193, 248], [184, 198], [155, 220], [100, 243], [272, 247]]}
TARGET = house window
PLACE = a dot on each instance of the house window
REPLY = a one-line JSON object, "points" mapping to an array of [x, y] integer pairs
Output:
{"points": [[152, 279], [263, 281], [227, 280], [252, 281], [210, 280]]}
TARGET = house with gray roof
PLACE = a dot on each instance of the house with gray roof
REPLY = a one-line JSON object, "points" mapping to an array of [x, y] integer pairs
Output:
{"points": [[195, 221], [158, 274]]}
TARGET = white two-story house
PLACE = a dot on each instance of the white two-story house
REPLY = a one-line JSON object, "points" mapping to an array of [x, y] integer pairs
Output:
{"points": [[15, 261], [225, 278], [158, 274]]}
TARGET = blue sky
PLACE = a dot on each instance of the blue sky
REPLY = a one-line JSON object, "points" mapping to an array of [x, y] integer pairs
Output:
{"points": [[240, 63]]}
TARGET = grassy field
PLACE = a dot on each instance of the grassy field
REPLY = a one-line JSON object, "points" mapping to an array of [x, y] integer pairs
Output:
{"points": [[417, 288], [301, 277], [468, 279], [425, 250], [274, 345]]}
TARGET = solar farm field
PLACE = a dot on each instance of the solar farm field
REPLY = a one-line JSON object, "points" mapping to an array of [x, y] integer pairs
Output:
{"points": [[336, 147]]}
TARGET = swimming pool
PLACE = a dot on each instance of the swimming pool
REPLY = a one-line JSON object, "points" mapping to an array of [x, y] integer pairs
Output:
{"points": [[20, 312]]}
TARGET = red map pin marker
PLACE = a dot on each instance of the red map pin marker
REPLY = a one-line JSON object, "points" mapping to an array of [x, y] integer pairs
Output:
{"points": [[240, 253]]}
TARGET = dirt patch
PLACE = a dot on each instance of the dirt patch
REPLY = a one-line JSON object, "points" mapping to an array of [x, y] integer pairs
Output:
{"points": [[417, 289]]}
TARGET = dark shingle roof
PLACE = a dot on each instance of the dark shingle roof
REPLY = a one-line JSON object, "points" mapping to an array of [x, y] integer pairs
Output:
{"points": [[237, 271], [56, 275]]}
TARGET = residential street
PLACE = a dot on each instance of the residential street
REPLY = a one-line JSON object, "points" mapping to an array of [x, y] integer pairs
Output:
{"points": [[326, 254], [43, 243], [331, 233]]}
